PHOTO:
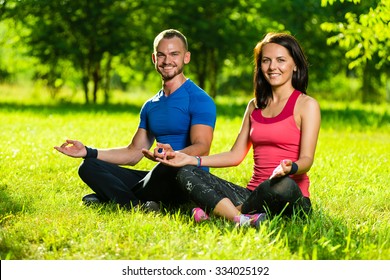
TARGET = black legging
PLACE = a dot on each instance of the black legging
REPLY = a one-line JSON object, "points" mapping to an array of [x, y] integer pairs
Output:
{"points": [[281, 195], [206, 189], [127, 186], [276, 196]]}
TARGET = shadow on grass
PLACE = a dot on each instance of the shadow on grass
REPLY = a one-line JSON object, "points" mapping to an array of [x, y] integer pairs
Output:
{"points": [[331, 118], [8, 207], [355, 118], [70, 108], [359, 119], [8, 210]]}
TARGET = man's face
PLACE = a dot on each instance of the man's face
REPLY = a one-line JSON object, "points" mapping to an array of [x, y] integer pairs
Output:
{"points": [[170, 58]]}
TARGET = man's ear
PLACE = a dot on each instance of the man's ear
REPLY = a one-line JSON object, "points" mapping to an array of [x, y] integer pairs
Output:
{"points": [[153, 58], [187, 57]]}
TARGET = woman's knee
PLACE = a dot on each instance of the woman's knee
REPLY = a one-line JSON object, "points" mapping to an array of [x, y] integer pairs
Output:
{"points": [[285, 188], [185, 172], [196, 183]]}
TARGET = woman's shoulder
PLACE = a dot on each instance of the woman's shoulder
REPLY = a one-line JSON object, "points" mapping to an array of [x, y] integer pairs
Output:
{"points": [[306, 100], [252, 104], [306, 103]]}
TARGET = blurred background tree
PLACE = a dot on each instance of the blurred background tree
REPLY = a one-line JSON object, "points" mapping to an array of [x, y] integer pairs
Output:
{"points": [[85, 33], [366, 39], [100, 45]]}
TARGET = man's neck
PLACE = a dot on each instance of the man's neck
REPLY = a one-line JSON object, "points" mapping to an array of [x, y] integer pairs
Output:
{"points": [[171, 85]]}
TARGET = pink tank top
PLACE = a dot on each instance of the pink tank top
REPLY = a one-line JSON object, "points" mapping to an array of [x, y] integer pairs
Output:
{"points": [[273, 140]]}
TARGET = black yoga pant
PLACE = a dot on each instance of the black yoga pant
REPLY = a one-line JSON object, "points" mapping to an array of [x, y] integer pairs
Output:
{"points": [[127, 186], [206, 189], [280, 195], [275, 196], [160, 184]]}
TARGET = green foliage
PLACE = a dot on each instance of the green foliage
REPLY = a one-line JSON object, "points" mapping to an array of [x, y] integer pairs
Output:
{"points": [[86, 33], [305, 26], [41, 215], [13, 61], [325, 2], [104, 45], [364, 36], [220, 33]]}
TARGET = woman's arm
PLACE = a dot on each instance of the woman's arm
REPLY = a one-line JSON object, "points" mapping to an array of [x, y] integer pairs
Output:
{"points": [[308, 118], [233, 157]]}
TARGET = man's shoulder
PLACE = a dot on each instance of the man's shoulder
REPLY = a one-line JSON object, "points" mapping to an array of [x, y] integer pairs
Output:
{"points": [[193, 88], [195, 91], [155, 98]]}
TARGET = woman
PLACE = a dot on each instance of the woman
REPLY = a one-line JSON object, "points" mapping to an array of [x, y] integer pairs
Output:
{"points": [[281, 123]]}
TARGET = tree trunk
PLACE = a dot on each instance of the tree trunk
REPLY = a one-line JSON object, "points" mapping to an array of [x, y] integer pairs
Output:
{"points": [[96, 79], [370, 84], [201, 73], [107, 79], [85, 81], [213, 76]]}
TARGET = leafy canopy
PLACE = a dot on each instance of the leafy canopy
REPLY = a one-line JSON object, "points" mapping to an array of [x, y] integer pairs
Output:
{"points": [[364, 36]]}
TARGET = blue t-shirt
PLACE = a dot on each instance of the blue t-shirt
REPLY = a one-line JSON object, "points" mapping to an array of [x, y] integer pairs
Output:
{"points": [[169, 118]]}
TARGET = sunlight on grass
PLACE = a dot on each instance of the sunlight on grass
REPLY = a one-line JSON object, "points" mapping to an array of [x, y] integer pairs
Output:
{"points": [[42, 217]]}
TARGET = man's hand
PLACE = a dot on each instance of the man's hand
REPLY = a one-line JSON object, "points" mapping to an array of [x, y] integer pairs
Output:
{"points": [[162, 151], [72, 148]]}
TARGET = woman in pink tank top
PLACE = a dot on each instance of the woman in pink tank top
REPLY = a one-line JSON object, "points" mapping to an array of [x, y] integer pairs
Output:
{"points": [[281, 123]]}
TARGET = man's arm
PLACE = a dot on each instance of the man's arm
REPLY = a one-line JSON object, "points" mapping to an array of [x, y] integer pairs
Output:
{"points": [[131, 154], [201, 137]]}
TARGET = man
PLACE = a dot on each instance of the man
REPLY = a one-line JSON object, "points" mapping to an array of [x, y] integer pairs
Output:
{"points": [[180, 114]]}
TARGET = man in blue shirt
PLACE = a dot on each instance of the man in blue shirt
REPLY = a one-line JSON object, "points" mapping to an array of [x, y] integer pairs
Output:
{"points": [[180, 114]]}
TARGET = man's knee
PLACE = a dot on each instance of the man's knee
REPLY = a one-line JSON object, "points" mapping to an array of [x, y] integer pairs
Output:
{"points": [[87, 166]]}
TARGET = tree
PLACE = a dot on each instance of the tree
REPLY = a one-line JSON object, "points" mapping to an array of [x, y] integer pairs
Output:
{"points": [[218, 32], [302, 18], [87, 33], [366, 38], [105, 38]]}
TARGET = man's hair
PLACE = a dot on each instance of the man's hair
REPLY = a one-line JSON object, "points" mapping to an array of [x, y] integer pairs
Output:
{"points": [[169, 34]]}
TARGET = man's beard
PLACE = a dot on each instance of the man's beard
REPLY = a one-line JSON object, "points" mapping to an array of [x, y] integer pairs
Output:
{"points": [[170, 76]]}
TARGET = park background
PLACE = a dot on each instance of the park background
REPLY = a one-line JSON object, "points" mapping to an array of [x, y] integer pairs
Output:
{"points": [[82, 69]]}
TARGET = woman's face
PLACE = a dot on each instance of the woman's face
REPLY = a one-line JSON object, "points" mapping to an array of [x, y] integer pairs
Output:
{"points": [[277, 65]]}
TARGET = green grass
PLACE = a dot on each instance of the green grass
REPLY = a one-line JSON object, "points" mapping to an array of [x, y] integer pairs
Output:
{"points": [[41, 215]]}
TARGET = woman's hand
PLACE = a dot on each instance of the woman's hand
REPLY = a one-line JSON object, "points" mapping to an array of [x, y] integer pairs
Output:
{"points": [[177, 159], [166, 155], [282, 169]]}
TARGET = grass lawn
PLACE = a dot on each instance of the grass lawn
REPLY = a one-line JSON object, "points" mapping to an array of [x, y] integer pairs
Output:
{"points": [[42, 217]]}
